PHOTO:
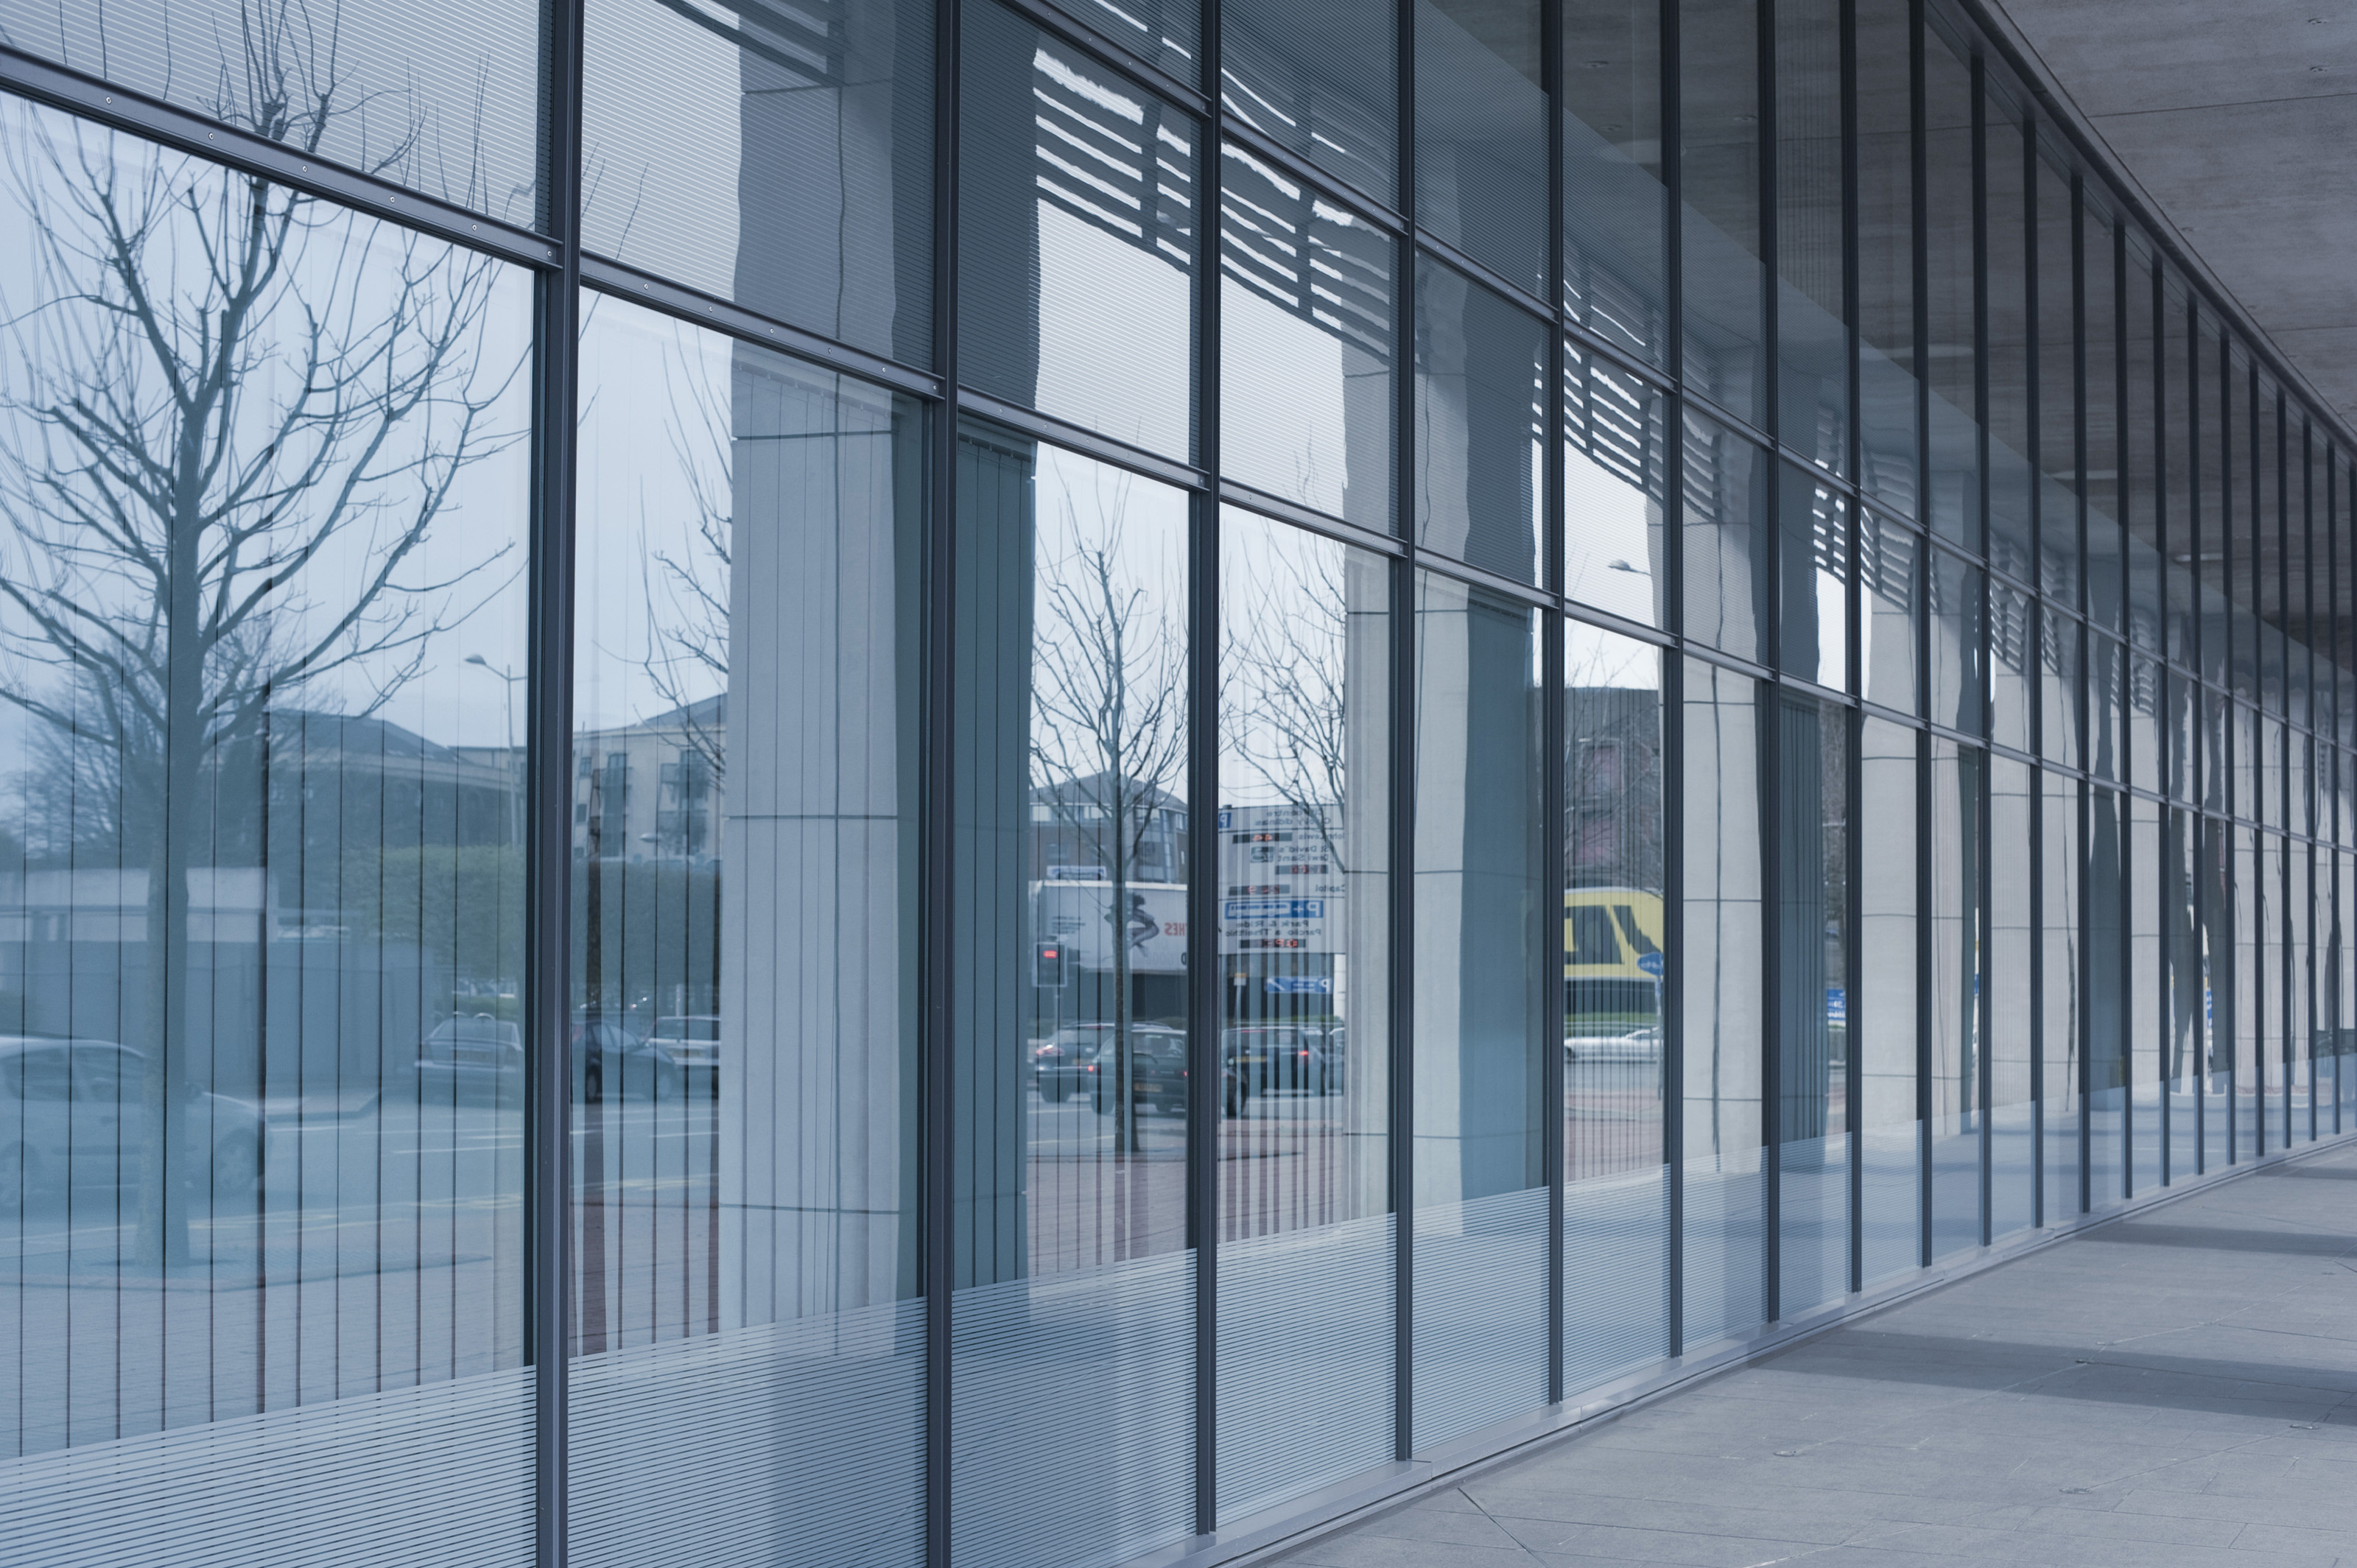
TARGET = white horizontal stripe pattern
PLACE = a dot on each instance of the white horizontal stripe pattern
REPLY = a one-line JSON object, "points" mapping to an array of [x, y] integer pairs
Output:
{"points": [[792, 1445], [1072, 1415], [419, 1478]]}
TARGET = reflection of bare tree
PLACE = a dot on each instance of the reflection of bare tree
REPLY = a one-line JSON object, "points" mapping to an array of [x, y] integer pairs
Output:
{"points": [[1108, 720], [1285, 674], [235, 416], [687, 589]]}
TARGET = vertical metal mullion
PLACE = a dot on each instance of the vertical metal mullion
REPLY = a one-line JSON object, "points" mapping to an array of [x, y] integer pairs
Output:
{"points": [[2167, 761], [1984, 1086], [2330, 763], [1554, 722], [938, 1200], [548, 724], [1402, 778], [1923, 995], [2201, 700], [2086, 1021], [1768, 754], [1853, 1072], [1919, 198], [2119, 270], [1673, 671], [1920, 256], [1206, 1105], [2032, 307], [1768, 749], [2258, 807]]}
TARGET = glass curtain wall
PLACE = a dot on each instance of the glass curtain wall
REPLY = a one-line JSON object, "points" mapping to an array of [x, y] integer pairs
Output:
{"points": [[1616, 1237], [1481, 1246], [744, 1032], [266, 462], [903, 860], [1305, 839]]}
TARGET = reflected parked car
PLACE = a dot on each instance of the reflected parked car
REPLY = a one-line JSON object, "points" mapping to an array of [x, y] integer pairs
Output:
{"points": [[471, 1060], [1615, 1045], [606, 1056], [693, 1042], [1282, 1059], [73, 1113], [480, 1059], [1157, 1072], [1078, 1058]]}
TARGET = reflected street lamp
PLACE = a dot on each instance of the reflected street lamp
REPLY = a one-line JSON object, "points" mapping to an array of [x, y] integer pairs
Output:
{"points": [[516, 797]]}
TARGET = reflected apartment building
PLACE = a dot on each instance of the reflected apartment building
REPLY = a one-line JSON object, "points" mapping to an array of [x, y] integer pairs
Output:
{"points": [[1017, 784]]}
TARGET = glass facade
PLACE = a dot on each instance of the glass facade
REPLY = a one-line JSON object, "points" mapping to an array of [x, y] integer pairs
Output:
{"points": [[736, 831]]}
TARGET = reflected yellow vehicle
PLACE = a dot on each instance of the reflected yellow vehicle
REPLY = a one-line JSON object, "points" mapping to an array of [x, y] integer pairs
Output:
{"points": [[1611, 950]]}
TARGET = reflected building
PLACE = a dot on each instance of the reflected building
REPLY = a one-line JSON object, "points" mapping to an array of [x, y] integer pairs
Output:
{"points": [[1226, 768]]}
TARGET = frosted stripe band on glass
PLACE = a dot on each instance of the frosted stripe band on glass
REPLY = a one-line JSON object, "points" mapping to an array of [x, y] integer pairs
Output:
{"points": [[792, 1443], [424, 1476], [1616, 1275], [1306, 1380], [1889, 1208], [1812, 1261], [1073, 1415], [1725, 1284], [1480, 1282]]}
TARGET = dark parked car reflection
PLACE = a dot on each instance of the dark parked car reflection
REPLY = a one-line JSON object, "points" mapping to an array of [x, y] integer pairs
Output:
{"points": [[73, 1113], [1284, 1058], [1080, 1059]]}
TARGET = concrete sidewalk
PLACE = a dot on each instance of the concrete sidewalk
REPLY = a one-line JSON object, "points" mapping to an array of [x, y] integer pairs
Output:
{"points": [[2178, 1388]]}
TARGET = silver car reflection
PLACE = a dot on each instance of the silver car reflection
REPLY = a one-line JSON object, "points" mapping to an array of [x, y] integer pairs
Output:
{"points": [[73, 1113]]}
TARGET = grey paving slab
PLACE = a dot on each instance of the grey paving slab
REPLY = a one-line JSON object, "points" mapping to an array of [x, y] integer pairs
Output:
{"points": [[2173, 1390]]}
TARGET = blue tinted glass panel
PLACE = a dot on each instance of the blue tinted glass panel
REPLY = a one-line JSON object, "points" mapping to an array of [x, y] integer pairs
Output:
{"points": [[261, 1076], [1812, 929], [2013, 869], [1811, 295], [1480, 914], [1885, 1007], [2106, 999], [790, 168], [1891, 571], [1077, 238], [1482, 134], [1956, 586], [2062, 988], [1073, 1312], [1615, 477], [1614, 953], [1958, 1106], [1163, 33], [1719, 974], [1615, 207], [1307, 1346], [1890, 470], [1813, 534], [1728, 484], [1725, 352], [1481, 423], [745, 1171], [1320, 78], [1951, 355], [395, 91], [1308, 314]]}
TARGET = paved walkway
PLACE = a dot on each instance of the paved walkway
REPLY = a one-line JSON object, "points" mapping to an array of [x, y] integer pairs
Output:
{"points": [[2175, 1389]]}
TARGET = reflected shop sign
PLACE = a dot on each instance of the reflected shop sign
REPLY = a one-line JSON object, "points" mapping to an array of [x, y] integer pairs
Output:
{"points": [[1280, 882], [1081, 914]]}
